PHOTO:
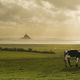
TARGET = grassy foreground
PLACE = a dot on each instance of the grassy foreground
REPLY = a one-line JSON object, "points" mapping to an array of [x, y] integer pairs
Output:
{"points": [[36, 66]]}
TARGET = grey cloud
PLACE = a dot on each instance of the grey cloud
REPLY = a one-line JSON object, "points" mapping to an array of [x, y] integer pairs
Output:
{"points": [[71, 4], [15, 13], [18, 14]]}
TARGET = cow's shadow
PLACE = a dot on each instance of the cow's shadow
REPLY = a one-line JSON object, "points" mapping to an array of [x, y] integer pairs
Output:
{"points": [[71, 69]]}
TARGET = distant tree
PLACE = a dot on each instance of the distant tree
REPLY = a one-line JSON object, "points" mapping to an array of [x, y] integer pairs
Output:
{"points": [[30, 49]]}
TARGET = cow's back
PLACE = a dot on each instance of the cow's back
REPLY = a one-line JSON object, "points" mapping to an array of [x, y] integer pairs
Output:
{"points": [[74, 53]]}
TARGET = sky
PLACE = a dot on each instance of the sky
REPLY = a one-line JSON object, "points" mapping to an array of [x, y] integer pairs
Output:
{"points": [[40, 19]]}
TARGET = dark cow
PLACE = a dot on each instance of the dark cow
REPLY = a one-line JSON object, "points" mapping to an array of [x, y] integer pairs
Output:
{"points": [[71, 53]]}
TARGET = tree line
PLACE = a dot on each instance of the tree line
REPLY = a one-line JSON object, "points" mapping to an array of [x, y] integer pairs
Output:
{"points": [[26, 50]]}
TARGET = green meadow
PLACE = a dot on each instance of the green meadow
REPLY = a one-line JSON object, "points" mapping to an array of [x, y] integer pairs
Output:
{"points": [[37, 66]]}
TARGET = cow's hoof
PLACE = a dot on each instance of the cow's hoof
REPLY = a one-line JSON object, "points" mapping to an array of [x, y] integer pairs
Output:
{"points": [[70, 65], [65, 66], [76, 65]]}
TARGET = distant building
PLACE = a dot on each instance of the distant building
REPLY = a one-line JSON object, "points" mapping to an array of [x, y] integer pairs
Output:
{"points": [[26, 37]]}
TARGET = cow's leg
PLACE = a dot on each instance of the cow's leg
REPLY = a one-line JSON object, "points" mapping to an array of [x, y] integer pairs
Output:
{"points": [[67, 58], [65, 61], [69, 62], [77, 60]]}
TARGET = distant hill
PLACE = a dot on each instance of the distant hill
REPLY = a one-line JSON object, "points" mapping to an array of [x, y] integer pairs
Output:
{"points": [[26, 36]]}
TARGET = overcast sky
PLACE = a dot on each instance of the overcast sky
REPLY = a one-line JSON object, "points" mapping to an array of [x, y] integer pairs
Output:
{"points": [[40, 19]]}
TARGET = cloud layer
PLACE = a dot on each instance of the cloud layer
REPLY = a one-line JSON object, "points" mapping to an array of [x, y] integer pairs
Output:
{"points": [[40, 18]]}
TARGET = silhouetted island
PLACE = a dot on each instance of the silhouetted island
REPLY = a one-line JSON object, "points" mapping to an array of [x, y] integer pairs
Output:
{"points": [[26, 36]]}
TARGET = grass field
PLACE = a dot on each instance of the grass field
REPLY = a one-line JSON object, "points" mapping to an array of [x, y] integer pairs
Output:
{"points": [[35, 66]]}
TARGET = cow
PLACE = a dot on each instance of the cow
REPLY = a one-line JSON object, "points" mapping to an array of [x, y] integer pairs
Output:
{"points": [[71, 54]]}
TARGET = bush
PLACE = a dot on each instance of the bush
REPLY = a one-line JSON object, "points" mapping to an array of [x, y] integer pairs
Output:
{"points": [[29, 50]]}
